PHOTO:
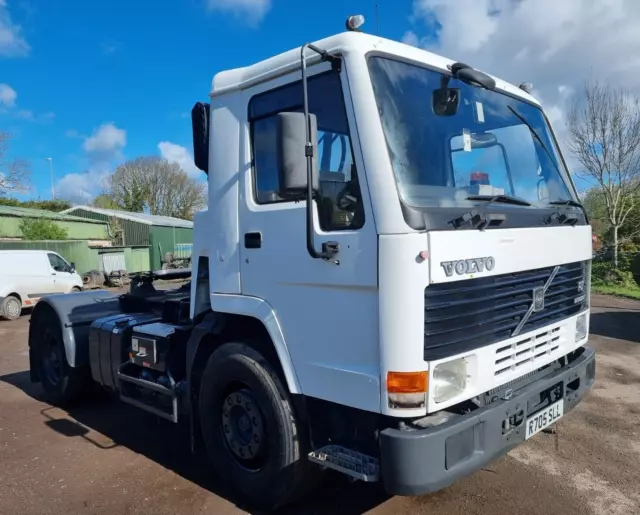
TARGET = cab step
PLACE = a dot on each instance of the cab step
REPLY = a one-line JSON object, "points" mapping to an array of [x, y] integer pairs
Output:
{"points": [[147, 395], [349, 462]]}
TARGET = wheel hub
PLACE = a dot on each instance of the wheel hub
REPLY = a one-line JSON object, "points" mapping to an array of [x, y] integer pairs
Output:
{"points": [[13, 308], [243, 426]]}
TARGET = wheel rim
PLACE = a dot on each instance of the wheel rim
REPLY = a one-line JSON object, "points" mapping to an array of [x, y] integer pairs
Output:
{"points": [[244, 429], [51, 365], [13, 308]]}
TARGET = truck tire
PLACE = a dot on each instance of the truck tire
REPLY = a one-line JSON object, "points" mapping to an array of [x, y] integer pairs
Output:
{"points": [[10, 308], [62, 384], [249, 428]]}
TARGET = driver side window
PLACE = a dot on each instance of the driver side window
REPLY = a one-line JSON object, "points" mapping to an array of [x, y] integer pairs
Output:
{"points": [[339, 199], [57, 263]]}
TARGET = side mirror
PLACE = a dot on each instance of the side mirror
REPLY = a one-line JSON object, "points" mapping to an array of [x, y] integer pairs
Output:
{"points": [[291, 134], [200, 130], [73, 267]]}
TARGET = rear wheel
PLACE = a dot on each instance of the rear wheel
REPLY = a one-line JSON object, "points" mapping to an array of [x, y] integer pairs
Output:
{"points": [[61, 383], [254, 442], [10, 308]]}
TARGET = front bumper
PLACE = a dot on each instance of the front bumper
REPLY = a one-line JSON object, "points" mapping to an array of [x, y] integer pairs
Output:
{"points": [[414, 462]]}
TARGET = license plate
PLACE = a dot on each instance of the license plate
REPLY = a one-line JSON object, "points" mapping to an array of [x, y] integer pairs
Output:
{"points": [[544, 418]]}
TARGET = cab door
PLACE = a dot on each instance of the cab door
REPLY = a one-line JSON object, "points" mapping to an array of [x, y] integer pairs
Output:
{"points": [[62, 279], [327, 310]]}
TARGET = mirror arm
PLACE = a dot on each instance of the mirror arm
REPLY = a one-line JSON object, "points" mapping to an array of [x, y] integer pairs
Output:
{"points": [[329, 249]]}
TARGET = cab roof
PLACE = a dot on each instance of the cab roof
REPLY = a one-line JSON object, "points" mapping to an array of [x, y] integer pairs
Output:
{"points": [[342, 43]]}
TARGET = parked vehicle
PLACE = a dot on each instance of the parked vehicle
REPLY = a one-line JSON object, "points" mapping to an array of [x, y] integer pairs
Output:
{"points": [[362, 298], [28, 275]]}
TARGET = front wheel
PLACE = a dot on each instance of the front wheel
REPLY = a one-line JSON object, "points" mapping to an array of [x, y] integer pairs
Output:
{"points": [[253, 439]]}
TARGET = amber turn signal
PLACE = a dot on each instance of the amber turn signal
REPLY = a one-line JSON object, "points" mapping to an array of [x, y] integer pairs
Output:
{"points": [[407, 382]]}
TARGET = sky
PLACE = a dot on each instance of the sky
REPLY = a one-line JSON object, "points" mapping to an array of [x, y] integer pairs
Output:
{"points": [[90, 84]]}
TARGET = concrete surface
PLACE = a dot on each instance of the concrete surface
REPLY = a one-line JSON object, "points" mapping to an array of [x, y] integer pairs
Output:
{"points": [[108, 458]]}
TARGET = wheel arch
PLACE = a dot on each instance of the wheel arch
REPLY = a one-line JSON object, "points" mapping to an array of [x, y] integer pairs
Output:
{"points": [[74, 314], [241, 318]]}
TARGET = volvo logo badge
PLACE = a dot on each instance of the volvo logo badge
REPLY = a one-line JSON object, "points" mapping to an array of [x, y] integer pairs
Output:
{"points": [[468, 266], [537, 302], [538, 299]]}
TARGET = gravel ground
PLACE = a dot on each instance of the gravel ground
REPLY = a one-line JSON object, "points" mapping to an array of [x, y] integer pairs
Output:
{"points": [[109, 458]]}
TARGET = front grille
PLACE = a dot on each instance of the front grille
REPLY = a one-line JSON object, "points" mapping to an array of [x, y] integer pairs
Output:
{"points": [[465, 315]]}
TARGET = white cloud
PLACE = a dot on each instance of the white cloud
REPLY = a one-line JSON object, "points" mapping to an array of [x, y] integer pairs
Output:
{"points": [[103, 149], [8, 95], [12, 43], [106, 142], [179, 154], [80, 188], [554, 44], [252, 11]]}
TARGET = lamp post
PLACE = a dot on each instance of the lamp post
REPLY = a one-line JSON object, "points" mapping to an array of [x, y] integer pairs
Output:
{"points": [[53, 191]]}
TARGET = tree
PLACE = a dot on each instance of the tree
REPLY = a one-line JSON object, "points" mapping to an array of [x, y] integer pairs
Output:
{"points": [[14, 173], [104, 201], [41, 229], [604, 135], [158, 185]]}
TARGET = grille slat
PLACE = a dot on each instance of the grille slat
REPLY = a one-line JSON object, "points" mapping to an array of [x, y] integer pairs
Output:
{"points": [[465, 315]]}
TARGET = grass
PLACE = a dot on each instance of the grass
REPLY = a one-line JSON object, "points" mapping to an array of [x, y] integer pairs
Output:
{"points": [[629, 292]]}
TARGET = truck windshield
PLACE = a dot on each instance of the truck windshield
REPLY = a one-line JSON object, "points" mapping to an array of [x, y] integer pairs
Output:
{"points": [[489, 147]]}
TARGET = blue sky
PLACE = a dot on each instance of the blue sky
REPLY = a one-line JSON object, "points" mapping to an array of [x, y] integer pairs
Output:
{"points": [[96, 83], [90, 84]]}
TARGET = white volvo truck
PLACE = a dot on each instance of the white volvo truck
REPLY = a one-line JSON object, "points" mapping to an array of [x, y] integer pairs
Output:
{"points": [[427, 311]]}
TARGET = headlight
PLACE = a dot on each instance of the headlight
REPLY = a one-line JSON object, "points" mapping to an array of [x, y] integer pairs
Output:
{"points": [[581, 327], [449, 379]]}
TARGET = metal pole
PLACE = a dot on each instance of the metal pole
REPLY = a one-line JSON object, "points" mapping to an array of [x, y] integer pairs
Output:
{"points": [[53, 191]]}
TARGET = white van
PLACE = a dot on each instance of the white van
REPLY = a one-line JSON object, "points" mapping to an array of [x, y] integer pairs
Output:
{"points": [[27, 275]]}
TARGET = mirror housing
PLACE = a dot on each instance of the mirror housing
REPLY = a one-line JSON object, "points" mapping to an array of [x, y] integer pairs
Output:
{"points": [[73, 267], [445, 101], [483, 140], [291, 145], [200, 132]]}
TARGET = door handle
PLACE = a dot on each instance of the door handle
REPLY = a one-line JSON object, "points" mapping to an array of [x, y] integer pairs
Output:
{"points": [[253, 240], [53, 273]]}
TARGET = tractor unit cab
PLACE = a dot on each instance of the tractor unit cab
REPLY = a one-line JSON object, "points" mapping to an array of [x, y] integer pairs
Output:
{"points": [[391, 279]]}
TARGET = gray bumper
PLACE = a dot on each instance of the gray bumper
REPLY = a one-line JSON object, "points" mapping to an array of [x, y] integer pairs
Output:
{"points": [[424, 461]]}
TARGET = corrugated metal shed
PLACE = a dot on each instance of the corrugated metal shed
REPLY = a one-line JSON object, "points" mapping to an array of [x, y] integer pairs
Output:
{"points": [[142, 218], [78, 228], [161, 234]]}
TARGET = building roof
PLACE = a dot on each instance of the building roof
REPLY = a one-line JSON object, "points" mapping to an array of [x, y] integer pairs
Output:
{"points": [[355, 43], [25, 212], [164, 221]]}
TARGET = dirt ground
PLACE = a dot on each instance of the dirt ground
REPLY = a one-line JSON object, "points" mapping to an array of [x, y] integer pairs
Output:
{"points": [[109, 458]]}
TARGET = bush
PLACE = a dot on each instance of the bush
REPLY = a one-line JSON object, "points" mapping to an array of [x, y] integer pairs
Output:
{"points": [[41, 229]]}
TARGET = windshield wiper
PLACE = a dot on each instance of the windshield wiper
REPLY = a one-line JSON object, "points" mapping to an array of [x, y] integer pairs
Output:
{"points": [[503, 199], [568, 202]]}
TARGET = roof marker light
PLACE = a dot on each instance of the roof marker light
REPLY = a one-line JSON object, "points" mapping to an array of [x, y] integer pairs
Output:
{"points": [[526, 87], [355, 22]]}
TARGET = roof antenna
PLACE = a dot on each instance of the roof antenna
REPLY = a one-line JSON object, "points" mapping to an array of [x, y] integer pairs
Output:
{"points": [[377, 21]]}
